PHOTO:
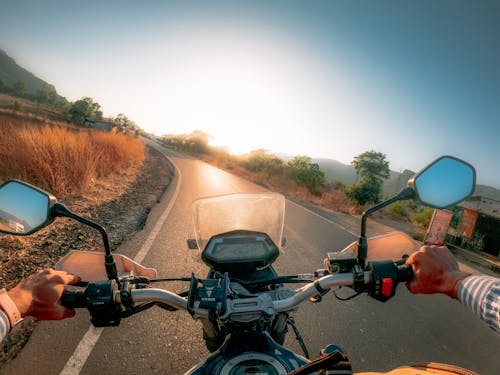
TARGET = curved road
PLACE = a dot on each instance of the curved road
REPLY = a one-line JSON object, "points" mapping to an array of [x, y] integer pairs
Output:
{"points": [[377, 336]]}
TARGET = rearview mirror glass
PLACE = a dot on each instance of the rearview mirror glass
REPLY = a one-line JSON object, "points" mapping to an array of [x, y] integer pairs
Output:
{"points": [[445, 182], [23, 208]]}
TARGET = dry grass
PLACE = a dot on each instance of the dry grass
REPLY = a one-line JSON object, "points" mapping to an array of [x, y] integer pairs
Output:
{"points": [[62, 160]]}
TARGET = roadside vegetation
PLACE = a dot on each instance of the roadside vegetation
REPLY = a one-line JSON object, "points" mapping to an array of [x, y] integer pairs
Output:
{"points": [[300, 178], [61, 159]]}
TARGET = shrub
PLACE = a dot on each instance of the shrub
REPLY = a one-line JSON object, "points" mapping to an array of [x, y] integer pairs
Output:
{"points": [[365, 191], [423, 216], [63, 160], [398, 208], [18, 107]]}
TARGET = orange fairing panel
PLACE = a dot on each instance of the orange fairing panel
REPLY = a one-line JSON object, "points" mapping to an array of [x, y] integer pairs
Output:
{"points": [[387, 247], [89, 265]]}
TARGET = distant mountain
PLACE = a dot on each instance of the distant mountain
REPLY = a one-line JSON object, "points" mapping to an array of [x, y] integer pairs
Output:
{"points": [[337, 171], [397, 181], [487, 192], [10, 73]]}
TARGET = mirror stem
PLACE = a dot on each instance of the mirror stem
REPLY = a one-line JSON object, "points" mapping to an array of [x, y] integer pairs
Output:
{"points": [[61, 210], [406, 193]]}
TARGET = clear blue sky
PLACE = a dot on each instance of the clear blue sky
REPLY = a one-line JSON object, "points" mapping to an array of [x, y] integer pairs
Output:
{"points": [[412, 79]]}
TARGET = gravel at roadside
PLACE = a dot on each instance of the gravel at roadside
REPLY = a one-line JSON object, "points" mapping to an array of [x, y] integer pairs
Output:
{"points": [[120, 203]]}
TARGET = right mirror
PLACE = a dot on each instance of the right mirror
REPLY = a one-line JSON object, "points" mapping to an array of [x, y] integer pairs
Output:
{"points": [[23, 208], [445, 182]]}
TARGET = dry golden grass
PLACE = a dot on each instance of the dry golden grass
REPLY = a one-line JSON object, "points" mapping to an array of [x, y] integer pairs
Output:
{"points": [[63, 160]]}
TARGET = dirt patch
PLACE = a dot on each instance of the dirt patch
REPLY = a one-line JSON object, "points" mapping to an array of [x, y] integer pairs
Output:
{"points": [[121, 203]]}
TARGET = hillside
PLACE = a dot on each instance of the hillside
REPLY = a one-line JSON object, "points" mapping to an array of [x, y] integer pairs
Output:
{"points": [[487, 192], [11, 72], [337, 171]]}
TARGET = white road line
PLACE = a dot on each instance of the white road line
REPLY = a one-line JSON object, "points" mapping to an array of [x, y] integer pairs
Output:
{"points": [[89, 340], [324, 218]]}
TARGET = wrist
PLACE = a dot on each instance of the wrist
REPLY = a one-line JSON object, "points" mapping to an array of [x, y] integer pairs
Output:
{"points": [[10, 308], [455, 281]]}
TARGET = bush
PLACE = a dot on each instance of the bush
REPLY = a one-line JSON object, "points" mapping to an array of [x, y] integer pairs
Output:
{"points": [[18, 107], [423, 216], [263, 162], [398, 208], [63, 160], [300, 170], [365, 191]]}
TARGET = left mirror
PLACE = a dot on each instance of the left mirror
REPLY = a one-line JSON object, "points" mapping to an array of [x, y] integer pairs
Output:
{"points": [[23, 208]]}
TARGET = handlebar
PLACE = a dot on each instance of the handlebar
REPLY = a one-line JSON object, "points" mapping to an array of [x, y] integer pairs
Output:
{"points": [[405, 273], [72, 298]]}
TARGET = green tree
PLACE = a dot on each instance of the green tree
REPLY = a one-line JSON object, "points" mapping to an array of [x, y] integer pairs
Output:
{"points": [[367, 190], [52, 98], [301, 171], [124, 123], [373, 168], [42, 95], [261, 160], [46, 95], [85, 108], [372, 164], [17, 106], [19, 88]]}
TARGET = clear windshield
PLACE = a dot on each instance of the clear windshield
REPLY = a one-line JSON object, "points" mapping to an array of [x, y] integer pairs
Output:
{"points": [[264, 212]]}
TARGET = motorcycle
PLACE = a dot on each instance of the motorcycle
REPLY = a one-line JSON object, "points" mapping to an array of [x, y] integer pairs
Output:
{"points": [[245, 307]]}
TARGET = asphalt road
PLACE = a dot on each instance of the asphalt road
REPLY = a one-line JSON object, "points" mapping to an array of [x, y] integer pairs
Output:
{"points": [[378, 337]]}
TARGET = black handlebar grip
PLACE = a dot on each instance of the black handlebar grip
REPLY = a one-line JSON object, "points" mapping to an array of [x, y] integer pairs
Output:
{"points": [[405, 273], [73, 299]]}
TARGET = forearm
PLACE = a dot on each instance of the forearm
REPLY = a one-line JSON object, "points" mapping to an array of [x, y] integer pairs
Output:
{"points": [[482, 295]]}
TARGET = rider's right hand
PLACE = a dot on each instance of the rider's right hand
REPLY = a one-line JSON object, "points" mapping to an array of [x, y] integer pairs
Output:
{"points": [[435, 271]]}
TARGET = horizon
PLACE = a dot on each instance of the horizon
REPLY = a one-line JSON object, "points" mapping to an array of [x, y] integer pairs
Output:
{"points": [[328, 80]]}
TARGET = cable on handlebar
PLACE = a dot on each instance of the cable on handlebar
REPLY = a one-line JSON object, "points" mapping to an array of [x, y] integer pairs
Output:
{"points": [[347, 298]]}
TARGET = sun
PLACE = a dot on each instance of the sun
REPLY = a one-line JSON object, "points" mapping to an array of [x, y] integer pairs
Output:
{"points": [[245, 95]]}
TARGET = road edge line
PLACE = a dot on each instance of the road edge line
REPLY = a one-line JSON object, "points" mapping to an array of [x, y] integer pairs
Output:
{"points": [[89, 340], [324, 218]]}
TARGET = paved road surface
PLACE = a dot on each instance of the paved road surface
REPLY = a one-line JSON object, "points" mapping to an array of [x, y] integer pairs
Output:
{"points": [[377, 336]]}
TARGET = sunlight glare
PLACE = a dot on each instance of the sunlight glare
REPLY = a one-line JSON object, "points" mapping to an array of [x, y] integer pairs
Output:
{"points": [[245, 94]]}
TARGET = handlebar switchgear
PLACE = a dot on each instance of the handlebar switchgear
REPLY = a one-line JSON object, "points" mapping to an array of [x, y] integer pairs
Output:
{"points": [[384, 280]]}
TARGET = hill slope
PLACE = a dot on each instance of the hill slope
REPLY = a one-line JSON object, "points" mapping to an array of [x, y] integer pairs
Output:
{"points": [[337, 171], [10, 73]]}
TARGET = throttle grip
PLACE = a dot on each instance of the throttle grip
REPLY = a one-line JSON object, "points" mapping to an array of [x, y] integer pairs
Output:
{"points": [[405, 273], [73, 299]]}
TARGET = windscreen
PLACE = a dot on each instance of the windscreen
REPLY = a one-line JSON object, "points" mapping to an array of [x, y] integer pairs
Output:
{"points": [[263, 212]]}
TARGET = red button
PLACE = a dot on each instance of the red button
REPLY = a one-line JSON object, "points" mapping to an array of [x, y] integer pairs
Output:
{"points": [[387, 287]]}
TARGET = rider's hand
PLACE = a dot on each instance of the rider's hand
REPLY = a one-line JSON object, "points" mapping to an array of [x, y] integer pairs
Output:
{"points": [[435, 271], [38, 295]]}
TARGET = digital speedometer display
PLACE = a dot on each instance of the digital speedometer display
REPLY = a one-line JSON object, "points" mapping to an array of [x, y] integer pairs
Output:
{"points": [[240, 247], [240, 251]]}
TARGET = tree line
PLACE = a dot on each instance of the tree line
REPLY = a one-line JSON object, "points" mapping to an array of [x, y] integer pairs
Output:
{"points": [[371, 166], [79, 112]]}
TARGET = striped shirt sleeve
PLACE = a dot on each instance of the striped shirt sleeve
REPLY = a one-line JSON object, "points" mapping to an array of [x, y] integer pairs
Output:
{"points": [[4, 325], [481, 294]]}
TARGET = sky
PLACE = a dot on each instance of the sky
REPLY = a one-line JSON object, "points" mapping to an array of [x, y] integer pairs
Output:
{"points": [[412, 79]]}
